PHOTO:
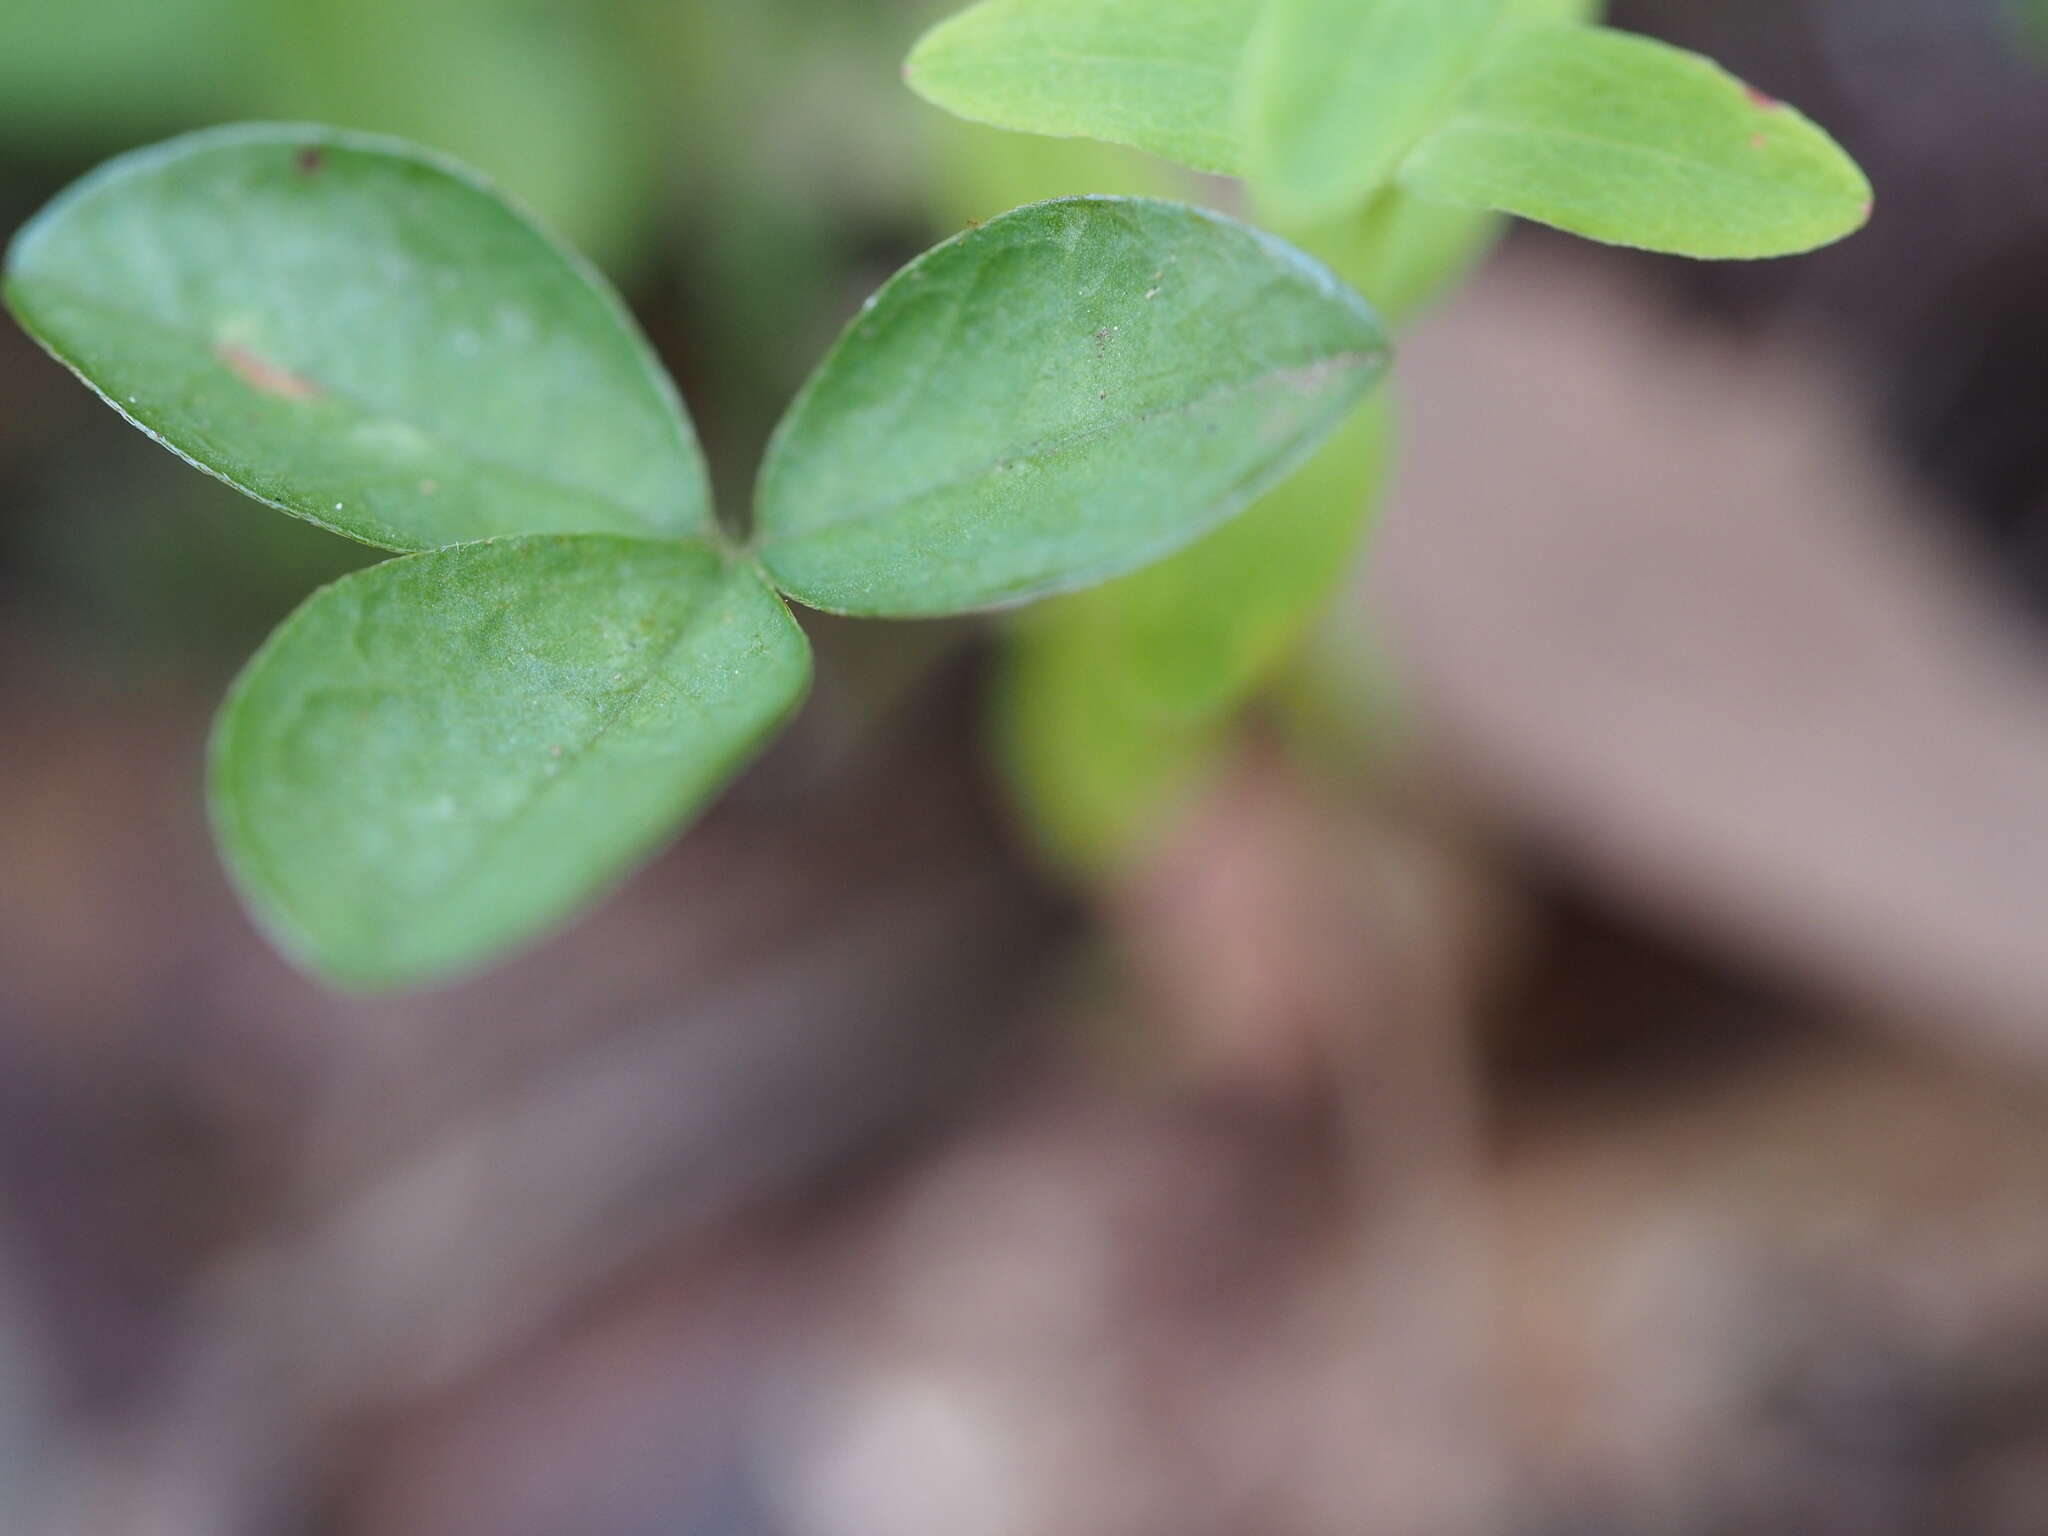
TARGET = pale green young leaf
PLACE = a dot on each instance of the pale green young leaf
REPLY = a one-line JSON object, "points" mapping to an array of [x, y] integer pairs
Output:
{"points": [[1196, 635], [360, 334], [1622, 139], [1069, 392], [1336, 91], [437, 758], [1166, 76], [1554, 10], [1113, 701], [1402, 252], [1093, 779], [1158, 74]]}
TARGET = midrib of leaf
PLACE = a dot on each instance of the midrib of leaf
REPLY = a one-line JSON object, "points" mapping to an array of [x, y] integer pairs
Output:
{"points": [[1047, 447], [1475, 121], [364, 411], [574, 755]]}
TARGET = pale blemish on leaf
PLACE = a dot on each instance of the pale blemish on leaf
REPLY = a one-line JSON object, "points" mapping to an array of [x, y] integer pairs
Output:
{"points": [[264, 376], [317, 381]]}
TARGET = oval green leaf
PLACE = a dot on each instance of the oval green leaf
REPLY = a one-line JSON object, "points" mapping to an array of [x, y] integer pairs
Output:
{"points": [[1336, 91], [439, 757], [1157, 74], [1069, 392], [362, 335], [1629, 141]]}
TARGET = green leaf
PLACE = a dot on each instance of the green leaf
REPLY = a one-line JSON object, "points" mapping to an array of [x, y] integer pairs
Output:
{"points": [[1158, 74], [1196, 635], [1401, 252], [1166, 76], [1336, 91], [1071, 391], [1625, 140], [1113, 702], [360, 334], [1093, 778], [439, 757]]}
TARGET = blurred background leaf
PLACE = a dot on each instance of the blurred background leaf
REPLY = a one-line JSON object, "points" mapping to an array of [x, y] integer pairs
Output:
{"points": [[2031, 18], [1115, 698], [82, 80]]}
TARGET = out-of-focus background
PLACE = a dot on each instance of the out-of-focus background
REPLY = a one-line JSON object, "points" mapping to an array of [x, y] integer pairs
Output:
{"points": [[1599, 1090]]}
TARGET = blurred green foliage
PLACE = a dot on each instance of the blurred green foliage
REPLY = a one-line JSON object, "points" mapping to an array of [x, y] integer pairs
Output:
{"points": [[527, 90], [2030, 19], [80, 79], [1116, 703]]}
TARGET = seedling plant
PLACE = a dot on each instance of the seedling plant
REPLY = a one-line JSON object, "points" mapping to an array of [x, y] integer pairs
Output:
{"points": [[1391, 138], [441, 756]]}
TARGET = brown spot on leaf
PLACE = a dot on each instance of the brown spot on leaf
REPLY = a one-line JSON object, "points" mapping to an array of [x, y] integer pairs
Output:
{"points": [[1758, 141], [266, 377], [310, 161], [1761, 100]]}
